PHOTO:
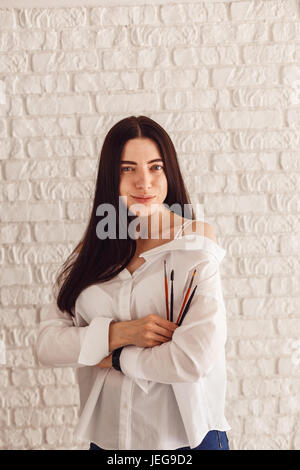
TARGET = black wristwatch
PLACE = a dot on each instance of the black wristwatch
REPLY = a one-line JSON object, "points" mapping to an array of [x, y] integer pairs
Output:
{"points": [[116, 358]]}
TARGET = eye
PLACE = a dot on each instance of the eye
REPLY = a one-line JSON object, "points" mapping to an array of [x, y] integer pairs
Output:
{"points": [[125, 168], [160, 166]]}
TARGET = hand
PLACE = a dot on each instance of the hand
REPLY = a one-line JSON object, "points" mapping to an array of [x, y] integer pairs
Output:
{"points": [[106, 362], [151, 330]]}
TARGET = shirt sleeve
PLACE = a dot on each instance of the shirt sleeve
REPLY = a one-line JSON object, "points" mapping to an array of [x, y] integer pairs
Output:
{"points": [[196, 345], [60, 343]]}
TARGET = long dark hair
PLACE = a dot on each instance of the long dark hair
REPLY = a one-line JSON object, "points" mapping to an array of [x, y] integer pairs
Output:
{"points": [[95, 260]]}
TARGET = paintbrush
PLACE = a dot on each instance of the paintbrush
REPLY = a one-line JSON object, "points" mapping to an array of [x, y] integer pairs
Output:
{"points": [[166, 291], [186, 296], [172, 295], [187, 306]]}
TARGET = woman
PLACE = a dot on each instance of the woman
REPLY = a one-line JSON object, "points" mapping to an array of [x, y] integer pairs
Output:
{"points": [[145, 382]]}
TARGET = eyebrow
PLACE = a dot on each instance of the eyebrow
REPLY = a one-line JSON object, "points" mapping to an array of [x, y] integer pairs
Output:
{"points": [[134, 163]]}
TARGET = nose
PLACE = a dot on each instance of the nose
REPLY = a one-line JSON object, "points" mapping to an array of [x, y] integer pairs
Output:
{"points": [[143, 179]]}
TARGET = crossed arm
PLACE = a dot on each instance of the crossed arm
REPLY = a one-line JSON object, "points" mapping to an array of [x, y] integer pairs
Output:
{"points": [[190, 354], [146, 332]]}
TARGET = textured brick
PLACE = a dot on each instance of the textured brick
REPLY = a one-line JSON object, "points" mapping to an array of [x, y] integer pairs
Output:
{"points": [[60, 396], [247, 328], [250, 119], [269, 54], [285, 285], [285, 203], [236, 204], [20, 169], [250, 162], [290, 160], [44, 127], [246, 76], [263, 98], [253, 407], [14, 63], [47, 105], [32, 84], [133, 103], [286, 31], [290, 244], [267, 140], [30, 212], [7, 18], [244, 287], [251, 244], [93, 82], [266, 387], [28, 40], [64, 61], [270, 306], [15, 275], [289, 327], [14, 398], [115, 15], [268, 224], [16, 192], [52, 18], [263, 10], [263, 347], [268, 266], [59, 435]]}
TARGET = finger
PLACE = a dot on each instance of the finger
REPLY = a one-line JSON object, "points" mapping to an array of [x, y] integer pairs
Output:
{"points": [[165, 323], [163, 338], [160, 338], [164, 332], [156, 344]]}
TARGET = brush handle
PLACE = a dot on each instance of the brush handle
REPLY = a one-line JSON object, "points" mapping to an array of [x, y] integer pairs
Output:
{"points": [[166, 291], [167, 299], [183, 306], [187, 306], [172, 300], [185, 298]]}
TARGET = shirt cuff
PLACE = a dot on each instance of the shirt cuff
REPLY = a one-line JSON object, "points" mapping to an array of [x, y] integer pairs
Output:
{"points": [[95, 342], [128, 362]]}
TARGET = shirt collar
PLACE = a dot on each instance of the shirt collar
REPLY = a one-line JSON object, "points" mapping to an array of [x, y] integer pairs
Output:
{"points": [[187, 242]]}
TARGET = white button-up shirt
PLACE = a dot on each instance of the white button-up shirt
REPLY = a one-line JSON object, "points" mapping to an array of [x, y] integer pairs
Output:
{"points": [[168, 396]]}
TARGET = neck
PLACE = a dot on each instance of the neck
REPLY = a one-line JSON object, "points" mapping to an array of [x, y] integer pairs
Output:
{"points": [[157, 225]]}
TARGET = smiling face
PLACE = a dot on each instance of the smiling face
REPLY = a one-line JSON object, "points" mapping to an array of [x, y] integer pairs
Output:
{"points": [[142, 174]]}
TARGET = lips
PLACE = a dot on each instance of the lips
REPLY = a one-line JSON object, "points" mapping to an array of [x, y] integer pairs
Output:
{"points": [[143, 198]]}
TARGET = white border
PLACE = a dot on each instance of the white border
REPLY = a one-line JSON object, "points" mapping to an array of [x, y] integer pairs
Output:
{"points": [[96, 3]]}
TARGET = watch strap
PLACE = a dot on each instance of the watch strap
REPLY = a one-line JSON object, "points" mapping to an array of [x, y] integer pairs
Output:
{"points": [[116, 358]]}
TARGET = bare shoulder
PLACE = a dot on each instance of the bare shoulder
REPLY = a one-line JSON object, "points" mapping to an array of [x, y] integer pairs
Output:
{"points": [[209, 232], [202, 228]]}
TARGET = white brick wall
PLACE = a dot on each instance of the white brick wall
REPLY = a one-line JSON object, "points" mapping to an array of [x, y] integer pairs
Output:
{"points": [[223, 78]]}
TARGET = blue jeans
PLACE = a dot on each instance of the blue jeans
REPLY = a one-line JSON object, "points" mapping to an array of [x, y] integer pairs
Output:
{"points": [[214, 440]]}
